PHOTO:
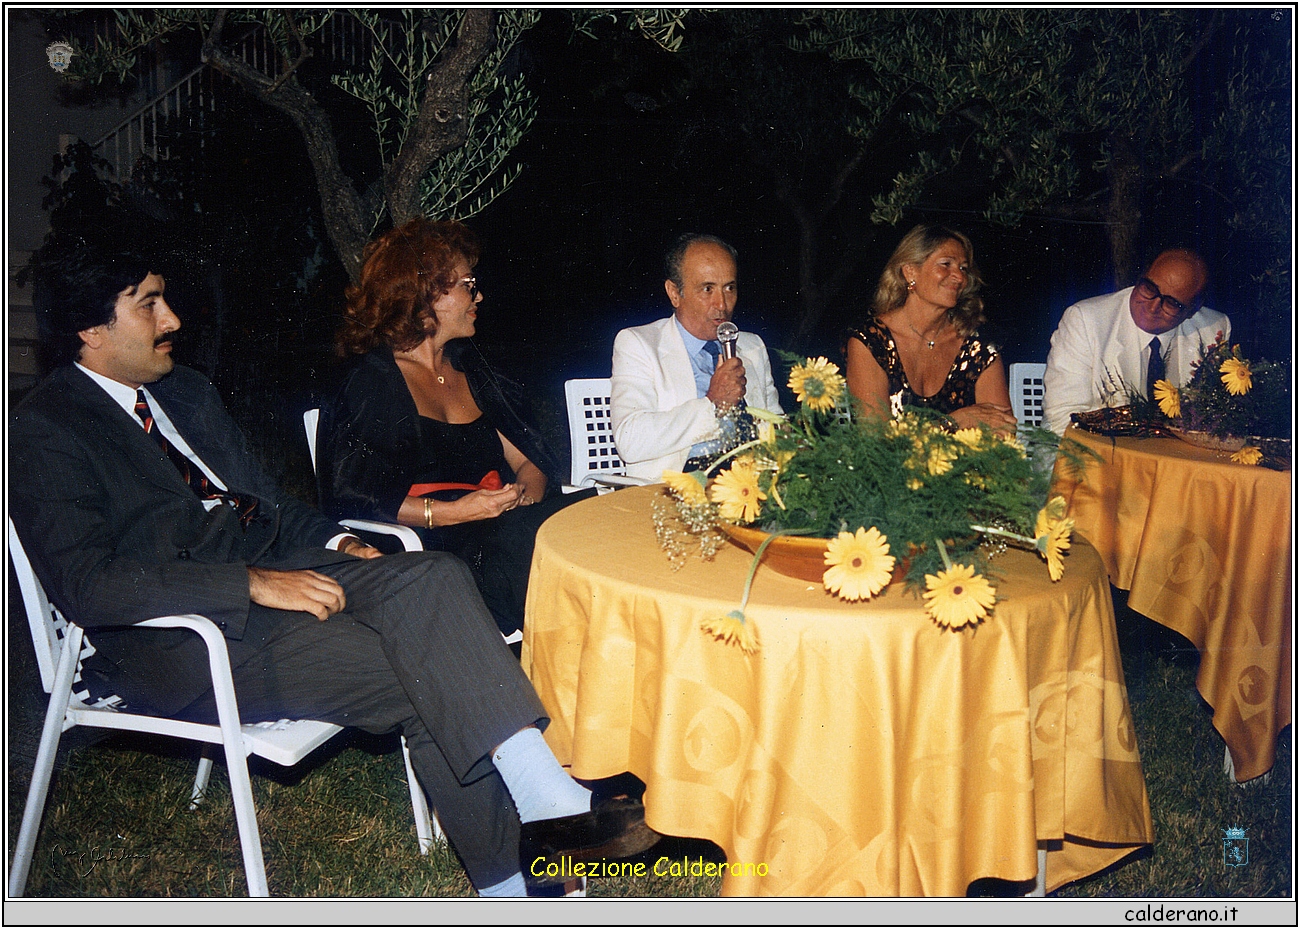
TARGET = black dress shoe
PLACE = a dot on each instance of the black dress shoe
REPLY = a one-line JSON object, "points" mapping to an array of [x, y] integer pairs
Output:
{"points": [[549, 848]]}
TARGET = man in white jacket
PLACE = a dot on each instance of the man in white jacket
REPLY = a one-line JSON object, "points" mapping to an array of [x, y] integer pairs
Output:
{"points": [[1110, 345], [667, 386]]}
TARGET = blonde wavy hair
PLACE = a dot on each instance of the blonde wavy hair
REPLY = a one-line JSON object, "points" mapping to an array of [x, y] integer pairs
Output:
{"points": [[918, 245]]}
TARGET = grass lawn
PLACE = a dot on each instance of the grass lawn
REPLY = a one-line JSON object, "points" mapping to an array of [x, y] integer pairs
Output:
{"points": [[339, 825]]}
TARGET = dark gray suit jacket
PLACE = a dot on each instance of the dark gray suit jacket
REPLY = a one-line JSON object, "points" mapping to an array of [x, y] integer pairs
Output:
{"points": [[117, 536]]}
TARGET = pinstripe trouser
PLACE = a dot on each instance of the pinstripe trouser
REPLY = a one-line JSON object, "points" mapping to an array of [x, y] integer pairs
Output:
{"points": [[413, 651]]}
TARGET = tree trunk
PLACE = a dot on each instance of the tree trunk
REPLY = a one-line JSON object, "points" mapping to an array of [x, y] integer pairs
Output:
{"points": [[440, 126], [345, 219], [810, 297], [1124, 211], [442, 123]]}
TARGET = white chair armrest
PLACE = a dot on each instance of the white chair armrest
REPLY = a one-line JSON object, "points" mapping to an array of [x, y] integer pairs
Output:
{"points": [[614, 480], [408, 537], [223, 686]]}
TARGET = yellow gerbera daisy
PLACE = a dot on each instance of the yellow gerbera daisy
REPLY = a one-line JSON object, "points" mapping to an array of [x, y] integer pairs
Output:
{"points": [[1052, 535], [737, 493], [1167, 396], [817, 383], [1052, 543], [958, 597], [1053, 510], [688, 487], [732, 629], [1236, 376], [970, 437], [1247, 455], [940, 460], [860, 564]]}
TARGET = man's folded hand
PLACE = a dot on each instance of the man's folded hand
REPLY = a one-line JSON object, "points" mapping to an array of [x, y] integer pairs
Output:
{"points": [[296, 591]]}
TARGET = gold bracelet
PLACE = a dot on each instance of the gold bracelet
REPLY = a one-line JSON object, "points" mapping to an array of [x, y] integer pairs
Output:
{"points": [[428, 512]]}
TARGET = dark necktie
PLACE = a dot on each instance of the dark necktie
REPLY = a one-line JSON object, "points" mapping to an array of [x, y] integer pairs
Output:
{"points": [[1155, 368], [713, 350], [245, 506]]}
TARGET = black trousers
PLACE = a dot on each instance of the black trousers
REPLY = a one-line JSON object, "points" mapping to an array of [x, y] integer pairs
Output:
{"points": [[413, 651]]}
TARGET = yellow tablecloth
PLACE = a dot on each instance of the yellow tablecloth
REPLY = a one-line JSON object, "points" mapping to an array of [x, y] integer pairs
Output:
{"points": [[862, 750], [1203, 546]]}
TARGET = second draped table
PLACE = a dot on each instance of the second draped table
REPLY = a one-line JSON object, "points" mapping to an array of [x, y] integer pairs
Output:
{"points": [[1203, 546], [863, 750]]}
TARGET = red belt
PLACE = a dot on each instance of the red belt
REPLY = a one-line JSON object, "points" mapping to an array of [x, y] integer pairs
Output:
{"points": [[490, 481]]}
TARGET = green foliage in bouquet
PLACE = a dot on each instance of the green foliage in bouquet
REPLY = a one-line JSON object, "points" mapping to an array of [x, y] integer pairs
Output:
{"points": [[910, 478], [1228, 395], [909, 490]]}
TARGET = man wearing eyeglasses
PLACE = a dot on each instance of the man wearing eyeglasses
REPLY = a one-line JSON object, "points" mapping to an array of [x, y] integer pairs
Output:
{"points": [[1109, 347]]}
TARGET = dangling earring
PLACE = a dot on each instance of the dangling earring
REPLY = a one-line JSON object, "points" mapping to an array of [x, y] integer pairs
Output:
{"points": [[911, 286]]}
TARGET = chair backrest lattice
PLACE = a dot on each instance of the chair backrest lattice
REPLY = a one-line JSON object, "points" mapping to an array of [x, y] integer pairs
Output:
{"points": [[1026, 383], [48, 628], [591, 432]]}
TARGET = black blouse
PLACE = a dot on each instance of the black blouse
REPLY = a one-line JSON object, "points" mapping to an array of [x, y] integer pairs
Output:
{"points": [[958, 389], [370, 435]]}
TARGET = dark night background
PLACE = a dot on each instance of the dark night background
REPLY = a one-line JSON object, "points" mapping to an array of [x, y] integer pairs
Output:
{"points": [[632, 146]]}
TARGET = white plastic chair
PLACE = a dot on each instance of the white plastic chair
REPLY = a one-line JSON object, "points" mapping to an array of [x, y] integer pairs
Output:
{"points": [[405, 534], [1026, 383], [60, 648], [593, 459], [408, 537], [425, 818]]}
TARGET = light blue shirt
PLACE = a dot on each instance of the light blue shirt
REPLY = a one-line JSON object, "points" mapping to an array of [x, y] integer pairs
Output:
{"points": [[702, 363], [702, 367]]}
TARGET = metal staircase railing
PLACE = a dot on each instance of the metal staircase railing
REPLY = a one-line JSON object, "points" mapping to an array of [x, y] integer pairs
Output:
{"points": [[342, 39], [136, 136]]}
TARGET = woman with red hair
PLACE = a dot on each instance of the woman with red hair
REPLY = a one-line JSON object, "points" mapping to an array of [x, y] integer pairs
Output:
{"points": [[422, 431]]}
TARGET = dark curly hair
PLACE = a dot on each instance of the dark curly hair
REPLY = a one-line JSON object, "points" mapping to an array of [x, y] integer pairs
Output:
{"points": [[75, 285], [406, 269]]}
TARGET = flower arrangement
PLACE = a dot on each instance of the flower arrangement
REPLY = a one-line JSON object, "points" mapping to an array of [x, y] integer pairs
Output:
{"points": [[908, 494], [1229, 395]]}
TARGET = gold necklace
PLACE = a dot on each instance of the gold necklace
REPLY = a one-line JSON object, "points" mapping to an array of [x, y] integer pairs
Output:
{"points": [[929, 343]]}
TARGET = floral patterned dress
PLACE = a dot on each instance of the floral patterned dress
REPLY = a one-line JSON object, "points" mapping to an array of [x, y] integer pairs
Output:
{"points": [[958, 390]]}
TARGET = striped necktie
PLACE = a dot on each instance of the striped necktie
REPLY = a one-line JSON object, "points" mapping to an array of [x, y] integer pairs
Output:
{"points": [[245, 505]]}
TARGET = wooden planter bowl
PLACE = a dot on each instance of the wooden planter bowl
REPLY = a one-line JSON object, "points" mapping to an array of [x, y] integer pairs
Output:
{"points": [[802, 557]]}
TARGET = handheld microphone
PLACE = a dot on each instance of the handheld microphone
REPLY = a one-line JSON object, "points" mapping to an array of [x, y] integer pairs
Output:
{"points": [[727, 335]]}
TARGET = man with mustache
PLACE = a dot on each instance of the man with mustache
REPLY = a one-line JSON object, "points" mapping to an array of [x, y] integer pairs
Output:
{"points": [[668, 385], [1107, 346], [136, 496]]}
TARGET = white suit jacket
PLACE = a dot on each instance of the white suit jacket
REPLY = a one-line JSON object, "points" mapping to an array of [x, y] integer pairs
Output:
{"points": [[655, 413], [1098, 353]]}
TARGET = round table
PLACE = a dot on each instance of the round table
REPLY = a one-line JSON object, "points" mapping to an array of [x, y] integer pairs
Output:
{"points": [[1203, 546], [862, 750]]}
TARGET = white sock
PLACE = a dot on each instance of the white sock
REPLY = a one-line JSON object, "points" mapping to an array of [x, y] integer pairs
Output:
{"points": [[540, 788], [513, 886]]}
